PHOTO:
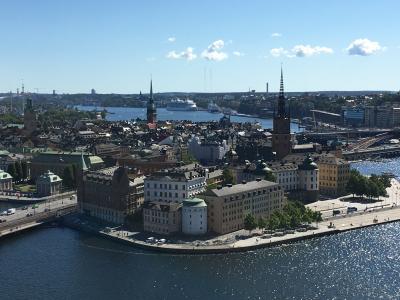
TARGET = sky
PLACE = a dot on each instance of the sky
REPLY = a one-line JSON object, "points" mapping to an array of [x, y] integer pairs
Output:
{"points": [[116, 46]]}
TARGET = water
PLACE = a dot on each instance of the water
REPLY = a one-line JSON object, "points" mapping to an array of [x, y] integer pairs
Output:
{"points": [[377, 167], [129, 113], [59, 263]]}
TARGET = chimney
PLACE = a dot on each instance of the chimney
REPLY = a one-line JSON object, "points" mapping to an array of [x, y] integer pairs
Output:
{"points": [[258, 179]]}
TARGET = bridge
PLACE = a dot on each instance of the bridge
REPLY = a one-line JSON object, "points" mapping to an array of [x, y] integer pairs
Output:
{"points": [[375, 152], [26, 218]]}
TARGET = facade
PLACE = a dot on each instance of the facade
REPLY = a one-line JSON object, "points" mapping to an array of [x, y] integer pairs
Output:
{"points": [[30, 118], [58, 161], [48, 184], [110, 194], [309, 180], [194, 216], [162, 218], [5, 181], [281, 139], [334, 175], [151, 108], [228, 206], [174, 185], [353, 116], [207, 152]]}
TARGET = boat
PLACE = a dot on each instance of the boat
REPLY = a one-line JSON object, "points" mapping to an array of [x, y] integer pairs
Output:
{"points": [[182, 105], [213, 108]]}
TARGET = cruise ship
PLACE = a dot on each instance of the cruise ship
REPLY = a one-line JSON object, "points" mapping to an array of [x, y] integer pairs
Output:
{"points": [[182, 105]]}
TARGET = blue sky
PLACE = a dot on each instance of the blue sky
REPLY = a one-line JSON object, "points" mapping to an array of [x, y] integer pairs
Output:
{"points": [[115, 46]]}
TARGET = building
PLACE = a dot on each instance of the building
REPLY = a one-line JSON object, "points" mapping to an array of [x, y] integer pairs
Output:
{"points": [[281, 138], [207, 151], [151, 108], [48, 184], [175, 185], [308, 180], [334, 173], [6, 183], [194, 216], [228, 206], [353, 116], [110, 194], [57, 161], [30, 118], [162, 218]]}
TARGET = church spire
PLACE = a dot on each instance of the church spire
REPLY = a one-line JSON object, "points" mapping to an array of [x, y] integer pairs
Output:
{"points": [[281, 99], [151, 90]]}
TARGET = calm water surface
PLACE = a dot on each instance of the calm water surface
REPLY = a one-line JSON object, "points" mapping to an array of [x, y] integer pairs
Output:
{"points": [[59, 263], [129, 113]]}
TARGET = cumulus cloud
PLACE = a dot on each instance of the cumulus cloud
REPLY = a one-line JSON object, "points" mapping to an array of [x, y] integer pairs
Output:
{"points": [[237, 53], [276, 34], [214, 51], [307, 50], [300, 51], [363, 47], [187, 54], [276, 52], [171, 39]]}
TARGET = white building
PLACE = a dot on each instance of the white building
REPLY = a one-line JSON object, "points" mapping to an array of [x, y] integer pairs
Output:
{"points": [[174, 185], [48, 184], [207, 151], [287, 176], [194, 216], [5, 181]]}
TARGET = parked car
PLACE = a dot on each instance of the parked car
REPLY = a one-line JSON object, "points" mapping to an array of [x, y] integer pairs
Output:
{"points": [[29, 214]]}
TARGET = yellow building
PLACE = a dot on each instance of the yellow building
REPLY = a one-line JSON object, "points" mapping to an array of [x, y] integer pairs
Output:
{"points": [[334, 174]]}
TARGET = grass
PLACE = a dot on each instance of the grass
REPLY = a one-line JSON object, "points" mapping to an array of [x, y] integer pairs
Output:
{"points": [[25, 188]]}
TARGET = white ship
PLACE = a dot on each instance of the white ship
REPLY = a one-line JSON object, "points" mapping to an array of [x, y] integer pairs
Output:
{"points": [[182, 105], [213, 108]]}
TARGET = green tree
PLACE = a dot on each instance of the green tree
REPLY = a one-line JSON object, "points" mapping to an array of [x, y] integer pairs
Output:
{"points": [[250, 223], [12, 171], [68, 177], [24, 166], [228, 177], [18, 169], [261, 223]]}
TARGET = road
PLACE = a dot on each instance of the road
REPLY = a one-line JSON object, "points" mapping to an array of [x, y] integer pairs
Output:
{"points": [[42, 207]]}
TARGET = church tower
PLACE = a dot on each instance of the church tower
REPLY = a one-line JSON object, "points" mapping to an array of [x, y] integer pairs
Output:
{"points": [[151, 108], [30, 118], [281, 138]]}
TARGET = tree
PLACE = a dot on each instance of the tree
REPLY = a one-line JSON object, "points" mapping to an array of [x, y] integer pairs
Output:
{"points": [[18, 169], [24, 166], [269, 176], [261, 223], [228, 177], [68, 177], [250, 223], [12, 171]]}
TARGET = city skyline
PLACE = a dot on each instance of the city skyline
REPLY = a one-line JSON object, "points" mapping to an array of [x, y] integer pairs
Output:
{"points": [[214, 47]]}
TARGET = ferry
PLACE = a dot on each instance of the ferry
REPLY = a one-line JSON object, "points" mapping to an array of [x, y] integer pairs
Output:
{"points": [[182, 105], [213, 108]]}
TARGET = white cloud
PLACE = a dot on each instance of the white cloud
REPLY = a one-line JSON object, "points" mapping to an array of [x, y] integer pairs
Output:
{"points": [[276, 52], [363, 47], [214, 51], [237, 53], [300, 51], [276, 34], [307, 50], [171, 39], [188, 54]]}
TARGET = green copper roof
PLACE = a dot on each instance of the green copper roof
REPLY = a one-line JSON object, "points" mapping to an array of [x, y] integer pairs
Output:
{"points": [[4, 175], [194, 202], [308, 164]]}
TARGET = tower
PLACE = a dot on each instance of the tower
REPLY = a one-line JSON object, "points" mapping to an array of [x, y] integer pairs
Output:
{"points": [[281, 138], [151, 108], [30, 119]]}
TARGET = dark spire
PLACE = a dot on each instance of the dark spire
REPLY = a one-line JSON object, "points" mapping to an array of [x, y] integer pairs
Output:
{"points": [[151, 90], [281, 99]]}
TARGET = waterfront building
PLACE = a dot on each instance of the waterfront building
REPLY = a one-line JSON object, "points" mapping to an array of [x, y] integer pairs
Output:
{"points": [[30, 118], [334, 175], [48, 184], [228, 206], [194, 216], [6, 183], [281, 138], [110, 194], [175, 185], [151, 108], [308, 180], [207, 151], [57, 161], [162, 218]]}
